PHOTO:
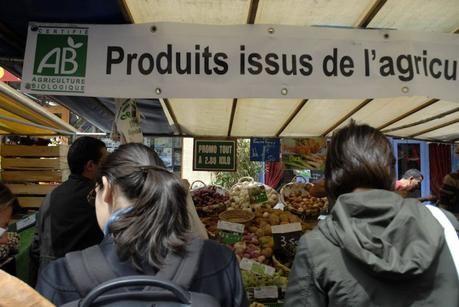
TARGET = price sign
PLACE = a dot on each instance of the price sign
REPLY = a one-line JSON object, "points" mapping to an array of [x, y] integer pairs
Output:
{"points": [[264, 149], [269, 292], [214, 155], [286, 240], [257, 194], [230, 232], [256, 267]]}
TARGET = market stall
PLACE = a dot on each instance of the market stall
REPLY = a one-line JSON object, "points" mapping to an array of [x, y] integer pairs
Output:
{"points": [[261, 226], [403, 109]]}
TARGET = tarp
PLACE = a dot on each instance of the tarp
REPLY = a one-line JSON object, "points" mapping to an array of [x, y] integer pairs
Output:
{"points": [[20, 115]]}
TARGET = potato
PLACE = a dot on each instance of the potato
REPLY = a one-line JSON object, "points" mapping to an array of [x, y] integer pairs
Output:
{"points": [[260, 232], [267, 252], [274, 219], [263, 223], [267, 230]]}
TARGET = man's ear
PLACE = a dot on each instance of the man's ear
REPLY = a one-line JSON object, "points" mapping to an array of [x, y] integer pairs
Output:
{"points": [[107, 191], [90, 166]]}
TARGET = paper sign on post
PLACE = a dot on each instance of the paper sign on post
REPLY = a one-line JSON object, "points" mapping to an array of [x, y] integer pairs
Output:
{"points": [[267, 292], [230, 232], [286, 240], [256, 267], [257, 194]]}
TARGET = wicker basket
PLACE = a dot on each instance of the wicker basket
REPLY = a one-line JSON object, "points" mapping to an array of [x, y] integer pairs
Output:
{"points": [[213, 209], [240, 199], [301, 191], [237, 216]]}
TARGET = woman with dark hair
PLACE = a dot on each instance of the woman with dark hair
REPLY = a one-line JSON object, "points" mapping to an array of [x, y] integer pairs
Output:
{"points": [[141, 207], [375, 248]]}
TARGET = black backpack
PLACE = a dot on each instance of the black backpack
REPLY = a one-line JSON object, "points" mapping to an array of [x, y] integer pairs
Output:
{"points": [[99, 286]]}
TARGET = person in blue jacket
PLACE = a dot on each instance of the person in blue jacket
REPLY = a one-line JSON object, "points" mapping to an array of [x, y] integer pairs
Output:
{"points": [[142, 209]]}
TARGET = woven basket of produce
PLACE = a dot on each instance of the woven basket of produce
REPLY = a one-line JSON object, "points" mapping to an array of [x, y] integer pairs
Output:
{"points": [[237, 216], [248, 194], [297, 199], [209, 199]]}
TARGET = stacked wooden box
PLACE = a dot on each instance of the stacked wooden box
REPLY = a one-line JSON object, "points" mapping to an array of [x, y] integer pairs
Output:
{"points": [[31, 172]]}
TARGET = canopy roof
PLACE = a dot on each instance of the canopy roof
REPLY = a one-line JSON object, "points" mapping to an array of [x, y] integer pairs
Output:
{"points": [[414, 117], [21, 115]]}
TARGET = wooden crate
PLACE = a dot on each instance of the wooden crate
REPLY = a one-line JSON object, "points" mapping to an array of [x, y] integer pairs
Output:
{"points": [[31, 188], [30, 202], [33, 151], [34, 163], [31, 172], [35, 176]]}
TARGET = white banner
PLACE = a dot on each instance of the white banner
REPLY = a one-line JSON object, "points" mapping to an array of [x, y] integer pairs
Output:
{"points": [[171, 60]]}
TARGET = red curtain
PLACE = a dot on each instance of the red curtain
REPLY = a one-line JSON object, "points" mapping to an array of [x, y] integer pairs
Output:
{"points": [[274, 173], [440, 166]]}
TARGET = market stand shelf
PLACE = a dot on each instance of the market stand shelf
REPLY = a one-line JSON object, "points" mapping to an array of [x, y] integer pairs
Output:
{"points": [[31, 172]]}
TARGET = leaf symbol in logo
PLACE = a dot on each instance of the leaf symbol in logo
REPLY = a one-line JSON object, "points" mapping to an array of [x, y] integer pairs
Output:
{"points": [[72, 44]]}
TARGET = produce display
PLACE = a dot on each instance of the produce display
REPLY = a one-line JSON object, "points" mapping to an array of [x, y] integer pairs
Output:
{"points": [[254, 280], [257, 242], [309, 205], [296, 198], [210, 222], [250, 248], [242, 196], [209, 199], [304, 153]]}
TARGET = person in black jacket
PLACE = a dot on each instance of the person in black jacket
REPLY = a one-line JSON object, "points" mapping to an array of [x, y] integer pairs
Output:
{"points": [[142, 208], [66, 220], [375, 248]]}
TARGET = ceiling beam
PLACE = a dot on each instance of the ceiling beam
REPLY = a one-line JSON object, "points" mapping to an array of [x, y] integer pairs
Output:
{"points": [[233, 112], [252, 12], [371, 13], [436, 127], [399, 118], [423, 121], [291, 117], [172, 114], [346, 117]]}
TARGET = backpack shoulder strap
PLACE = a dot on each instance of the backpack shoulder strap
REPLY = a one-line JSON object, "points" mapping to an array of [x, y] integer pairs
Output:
{"points": [[181, 269], [450, 234], [88, 268]]}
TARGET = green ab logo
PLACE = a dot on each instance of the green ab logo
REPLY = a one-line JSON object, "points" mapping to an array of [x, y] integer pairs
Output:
{"points": [[61, 55]]}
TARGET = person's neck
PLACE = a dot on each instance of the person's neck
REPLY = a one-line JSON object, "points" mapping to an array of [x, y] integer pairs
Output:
{"points": [[87, 175], [361, 189]]}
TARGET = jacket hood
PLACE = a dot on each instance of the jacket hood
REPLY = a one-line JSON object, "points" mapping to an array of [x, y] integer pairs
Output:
{"points": [[393, 237]]}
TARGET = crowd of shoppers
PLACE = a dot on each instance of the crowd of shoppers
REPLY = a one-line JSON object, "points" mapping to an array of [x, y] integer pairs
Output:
{"points": [[375, 248]]}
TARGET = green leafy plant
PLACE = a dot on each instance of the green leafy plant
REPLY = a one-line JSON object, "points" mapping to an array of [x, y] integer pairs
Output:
{"points": [[244, 167]]}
